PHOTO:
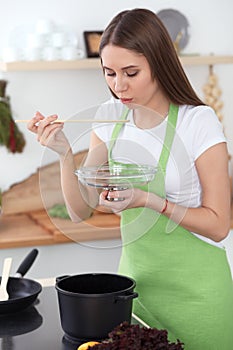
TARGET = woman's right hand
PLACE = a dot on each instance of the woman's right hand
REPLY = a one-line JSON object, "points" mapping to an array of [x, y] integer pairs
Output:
{"points": [[49, 133]]}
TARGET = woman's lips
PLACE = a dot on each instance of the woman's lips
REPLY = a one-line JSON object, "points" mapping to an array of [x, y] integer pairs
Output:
{"points": [[126, 100]]}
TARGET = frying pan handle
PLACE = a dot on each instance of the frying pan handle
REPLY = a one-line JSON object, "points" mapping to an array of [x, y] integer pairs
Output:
{"points": [[126, 296], [27, 263]]}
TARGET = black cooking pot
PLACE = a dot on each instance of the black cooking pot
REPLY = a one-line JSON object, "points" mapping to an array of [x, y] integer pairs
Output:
{"points": [[91, 305]]}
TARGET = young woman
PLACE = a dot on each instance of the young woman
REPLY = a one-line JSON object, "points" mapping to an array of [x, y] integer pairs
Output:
{"points": [[172, 229]]}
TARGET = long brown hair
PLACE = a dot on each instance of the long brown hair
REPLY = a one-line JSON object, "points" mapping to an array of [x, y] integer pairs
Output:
{"points": [[141, 31]]}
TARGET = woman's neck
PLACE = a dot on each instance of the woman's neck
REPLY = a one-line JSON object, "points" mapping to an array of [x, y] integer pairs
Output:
{"points": [[147, 118]]}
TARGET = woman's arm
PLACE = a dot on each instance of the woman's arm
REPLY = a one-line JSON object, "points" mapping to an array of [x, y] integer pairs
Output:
{"points": [[79, 200], [212, 219]]}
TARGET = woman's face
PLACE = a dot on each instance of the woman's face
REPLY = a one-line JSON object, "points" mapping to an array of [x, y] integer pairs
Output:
{"points": [[128, 75]]}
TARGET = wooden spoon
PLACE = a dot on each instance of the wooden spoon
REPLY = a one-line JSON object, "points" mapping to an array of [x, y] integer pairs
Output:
{"points": [[5, 276]]}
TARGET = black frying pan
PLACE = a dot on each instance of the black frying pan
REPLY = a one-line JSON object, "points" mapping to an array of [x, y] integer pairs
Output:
{"points": [[22, 291]]}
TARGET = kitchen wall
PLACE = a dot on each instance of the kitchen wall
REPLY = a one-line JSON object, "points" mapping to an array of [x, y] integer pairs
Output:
{"points": [[74, 258], [67, 92]]}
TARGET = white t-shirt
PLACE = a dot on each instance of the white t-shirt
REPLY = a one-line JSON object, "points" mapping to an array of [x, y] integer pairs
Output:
{"points": [[197, 129]]}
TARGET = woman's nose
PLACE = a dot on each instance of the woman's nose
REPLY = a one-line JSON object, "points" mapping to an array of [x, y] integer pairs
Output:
{"points": [[120, 84]]}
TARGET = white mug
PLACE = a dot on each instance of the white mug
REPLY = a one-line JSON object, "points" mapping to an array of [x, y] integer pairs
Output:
{"points": [[51, 54], [32, 54], [59, 39], [36, 40], [71, 53]]}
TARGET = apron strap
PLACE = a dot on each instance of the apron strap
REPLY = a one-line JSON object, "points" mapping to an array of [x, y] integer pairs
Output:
{"points": [[165, 153], [170, 133]]}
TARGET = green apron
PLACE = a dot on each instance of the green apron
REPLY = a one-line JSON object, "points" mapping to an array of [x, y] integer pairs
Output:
{"points": [[184, 283]]}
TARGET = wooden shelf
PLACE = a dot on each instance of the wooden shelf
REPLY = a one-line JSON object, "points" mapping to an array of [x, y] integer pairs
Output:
{"points": [[205, 60], [94, 63], [90, 63]]}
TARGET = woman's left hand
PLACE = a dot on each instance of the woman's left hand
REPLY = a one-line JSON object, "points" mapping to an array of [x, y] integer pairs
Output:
{"points": [[129, 198]]}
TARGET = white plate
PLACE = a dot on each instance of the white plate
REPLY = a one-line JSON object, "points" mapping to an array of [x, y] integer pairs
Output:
{"points": [[176, 23]]}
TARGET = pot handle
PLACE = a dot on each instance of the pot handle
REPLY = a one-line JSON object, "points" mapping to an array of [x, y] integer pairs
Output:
{"points": [[125, 297], [59, 278]]}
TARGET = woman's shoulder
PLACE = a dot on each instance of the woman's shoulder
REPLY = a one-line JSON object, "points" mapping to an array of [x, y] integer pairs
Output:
{"points": [[191, 116], [200, 128], [195, 111]]}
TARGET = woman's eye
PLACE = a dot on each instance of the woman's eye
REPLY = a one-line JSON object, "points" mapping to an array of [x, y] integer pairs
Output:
{"points": [[128, 74], [132, 74], [110, 73]]}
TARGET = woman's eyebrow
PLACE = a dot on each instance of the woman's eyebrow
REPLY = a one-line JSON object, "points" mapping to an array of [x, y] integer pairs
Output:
{"points": [[123, 68], [105, 67]]}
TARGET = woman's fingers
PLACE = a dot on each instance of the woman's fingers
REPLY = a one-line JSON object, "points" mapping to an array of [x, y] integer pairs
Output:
{"points": [[44, 127], [116, 200], [115, 195], [45, 122], [38, 123], [32, 125], [123, 199], [49, 133]]}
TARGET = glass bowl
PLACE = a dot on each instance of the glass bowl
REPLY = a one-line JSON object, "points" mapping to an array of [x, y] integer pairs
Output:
{"points": [[116, 177]]}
